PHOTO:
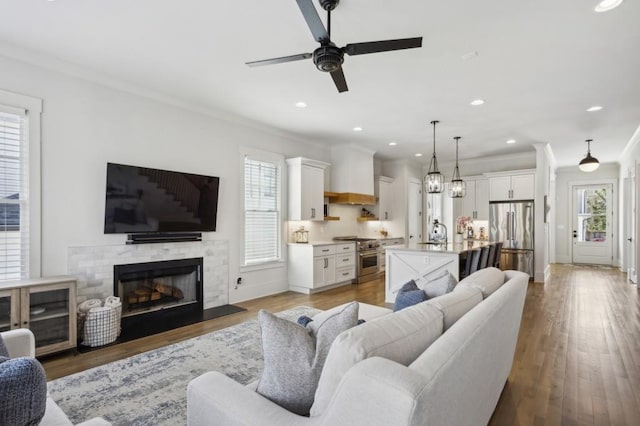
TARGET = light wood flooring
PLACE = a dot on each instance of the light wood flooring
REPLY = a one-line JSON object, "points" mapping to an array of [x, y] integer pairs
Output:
{"points": [[577, 360]]}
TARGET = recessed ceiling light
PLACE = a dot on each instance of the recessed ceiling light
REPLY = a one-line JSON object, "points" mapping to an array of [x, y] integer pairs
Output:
{"points": [[607, 5], [594, 108], [470, 55], [511, 141], [393, 143], [477, 102], [357, 129], [301, 104], [418, 155]]}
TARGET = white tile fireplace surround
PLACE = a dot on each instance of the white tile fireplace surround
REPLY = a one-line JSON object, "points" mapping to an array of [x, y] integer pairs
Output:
{"points": [[93, 266]]}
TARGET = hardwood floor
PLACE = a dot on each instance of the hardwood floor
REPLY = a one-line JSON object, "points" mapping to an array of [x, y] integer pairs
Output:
{"points": [[577, 361]]}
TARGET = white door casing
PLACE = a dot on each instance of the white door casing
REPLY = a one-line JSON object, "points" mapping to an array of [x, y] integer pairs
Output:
{"points": [[414, 211], [592, 223]]}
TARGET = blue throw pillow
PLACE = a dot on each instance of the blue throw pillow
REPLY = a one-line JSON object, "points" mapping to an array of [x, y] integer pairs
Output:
{"points": [[409, 295], [23, 387]]}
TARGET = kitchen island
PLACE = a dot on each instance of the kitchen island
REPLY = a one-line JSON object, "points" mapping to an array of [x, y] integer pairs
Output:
{"points": [[424, 261]]}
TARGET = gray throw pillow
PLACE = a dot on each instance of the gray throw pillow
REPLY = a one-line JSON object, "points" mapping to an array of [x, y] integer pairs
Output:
{"points": [[23, 387], [440, 285], [294, 357], [3, 348]]}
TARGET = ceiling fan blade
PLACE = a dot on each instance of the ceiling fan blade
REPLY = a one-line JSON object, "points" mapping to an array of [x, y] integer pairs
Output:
{"points": [[382, 46], [281, 60], [339, 80], [313, 20]]}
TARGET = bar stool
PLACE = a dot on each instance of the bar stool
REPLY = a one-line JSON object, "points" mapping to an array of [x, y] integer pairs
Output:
{"points": [[475, 260], [496, 262], [484, 257], [491, 260]]}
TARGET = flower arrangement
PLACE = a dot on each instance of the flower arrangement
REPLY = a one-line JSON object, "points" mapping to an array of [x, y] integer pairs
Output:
{"points": [[461, 223]]}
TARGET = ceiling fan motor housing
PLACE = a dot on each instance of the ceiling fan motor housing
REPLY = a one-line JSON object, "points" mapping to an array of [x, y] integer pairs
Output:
{"points": [[329, 4], [328, 58]]}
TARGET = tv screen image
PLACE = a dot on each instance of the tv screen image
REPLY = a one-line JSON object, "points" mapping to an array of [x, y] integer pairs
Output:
{"points": [[145, 200]]}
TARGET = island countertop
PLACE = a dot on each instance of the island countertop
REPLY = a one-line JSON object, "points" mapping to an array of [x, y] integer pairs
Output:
{"points": [[453, 248]]}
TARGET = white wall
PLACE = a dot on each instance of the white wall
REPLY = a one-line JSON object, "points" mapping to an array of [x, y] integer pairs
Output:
{"points": [[563, 216], [629, 160], [86, 124]]}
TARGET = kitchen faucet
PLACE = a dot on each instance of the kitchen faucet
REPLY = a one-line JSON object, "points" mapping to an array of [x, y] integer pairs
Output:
{"points": [[436, 225]]}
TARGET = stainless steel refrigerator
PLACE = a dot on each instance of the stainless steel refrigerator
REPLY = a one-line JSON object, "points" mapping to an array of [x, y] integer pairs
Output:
{"points": [[512, 223]]}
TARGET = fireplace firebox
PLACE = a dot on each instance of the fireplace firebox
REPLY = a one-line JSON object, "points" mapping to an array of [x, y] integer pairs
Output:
{"points": [[158, 296]]}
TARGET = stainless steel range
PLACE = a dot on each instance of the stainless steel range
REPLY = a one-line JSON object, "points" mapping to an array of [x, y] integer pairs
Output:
{"points": [[367, 263]]}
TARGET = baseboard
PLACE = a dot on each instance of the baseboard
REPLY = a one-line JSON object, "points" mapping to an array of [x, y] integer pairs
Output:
{"points": [[307, 290], [245, 292]]}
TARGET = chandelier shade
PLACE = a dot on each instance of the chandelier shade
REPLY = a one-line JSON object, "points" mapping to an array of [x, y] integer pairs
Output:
{"points": [[589, 163], [434, 180], [458, 188]]}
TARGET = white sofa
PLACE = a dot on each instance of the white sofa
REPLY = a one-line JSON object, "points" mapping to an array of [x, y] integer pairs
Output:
{"points": [[455, 380], [21, 343]]}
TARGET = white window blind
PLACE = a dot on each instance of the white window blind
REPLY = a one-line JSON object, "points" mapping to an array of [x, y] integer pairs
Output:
{"points": [[14, 197], [262, 215]]}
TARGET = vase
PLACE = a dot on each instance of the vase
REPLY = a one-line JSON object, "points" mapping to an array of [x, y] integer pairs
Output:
{"points": [[457, 238]]}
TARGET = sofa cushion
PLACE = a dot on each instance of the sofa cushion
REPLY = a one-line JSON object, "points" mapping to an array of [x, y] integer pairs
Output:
{"points": [[455, 304], [400, 337], [293, 357], [409, 295], [486, 280], [23, 383], [440, 285]]}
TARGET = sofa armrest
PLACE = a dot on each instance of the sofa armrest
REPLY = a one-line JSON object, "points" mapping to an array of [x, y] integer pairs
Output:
{"points": [[376, 391], [20, 342], [214, 398]]}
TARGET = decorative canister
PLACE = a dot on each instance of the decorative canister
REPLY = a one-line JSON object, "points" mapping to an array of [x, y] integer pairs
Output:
{"points": [[301, 235]]}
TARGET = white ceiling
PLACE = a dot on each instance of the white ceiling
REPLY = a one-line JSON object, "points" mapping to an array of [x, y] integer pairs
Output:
{"points": [[540, 65]]}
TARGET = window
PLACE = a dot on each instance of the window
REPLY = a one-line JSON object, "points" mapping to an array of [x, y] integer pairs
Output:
{"points": [[19, 186], [262, 208], [14, 196]]}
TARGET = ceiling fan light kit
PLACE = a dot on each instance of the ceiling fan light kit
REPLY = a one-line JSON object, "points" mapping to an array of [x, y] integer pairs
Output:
{"points": [[434, 180], [328, 57], [589, 163], [458, 187]]}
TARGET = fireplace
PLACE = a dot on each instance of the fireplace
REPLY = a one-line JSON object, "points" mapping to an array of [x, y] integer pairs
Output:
{"points": [[158, 296]]}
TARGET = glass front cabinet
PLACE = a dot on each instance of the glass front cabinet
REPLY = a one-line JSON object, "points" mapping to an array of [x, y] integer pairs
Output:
{"points": [[46, 306]]}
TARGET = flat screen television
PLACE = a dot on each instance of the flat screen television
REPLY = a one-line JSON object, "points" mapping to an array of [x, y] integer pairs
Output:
{"points": [[144, 200]]}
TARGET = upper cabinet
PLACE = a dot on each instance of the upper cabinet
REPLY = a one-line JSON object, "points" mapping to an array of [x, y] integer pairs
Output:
{"points": [[475, 203], [306, 188], [512, 186], [384, 192]]}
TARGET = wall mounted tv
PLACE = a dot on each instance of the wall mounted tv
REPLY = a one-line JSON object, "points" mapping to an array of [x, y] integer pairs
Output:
{"points": [[144, 200]]}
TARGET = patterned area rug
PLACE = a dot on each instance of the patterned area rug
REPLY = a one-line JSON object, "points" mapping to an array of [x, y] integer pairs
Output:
{"points": [[150, 388]]}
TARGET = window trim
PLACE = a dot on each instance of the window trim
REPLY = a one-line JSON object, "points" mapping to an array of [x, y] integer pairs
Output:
{"points": [[33, 109], [261, 155]]}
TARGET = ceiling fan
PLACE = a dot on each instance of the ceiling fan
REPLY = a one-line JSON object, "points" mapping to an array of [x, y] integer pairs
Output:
{"points": [[328, 57]]}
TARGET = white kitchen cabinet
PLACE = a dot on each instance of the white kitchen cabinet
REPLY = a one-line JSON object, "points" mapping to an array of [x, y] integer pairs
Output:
{"points": [[516, 186], [384, 192], [306, 188], [475, 204], [316, 267]]}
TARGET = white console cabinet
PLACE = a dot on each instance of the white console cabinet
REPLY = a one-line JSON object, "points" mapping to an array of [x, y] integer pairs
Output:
{"points": [[46, 306], [316, 267], [306, 188]]}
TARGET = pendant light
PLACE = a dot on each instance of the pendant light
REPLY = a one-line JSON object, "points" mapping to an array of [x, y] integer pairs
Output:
{"points": [[458, 187], [589, 163], [434, 181]]}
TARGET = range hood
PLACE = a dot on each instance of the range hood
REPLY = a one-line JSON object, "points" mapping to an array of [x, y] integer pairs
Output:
{"points": [[352, 176], [351, 198]]}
